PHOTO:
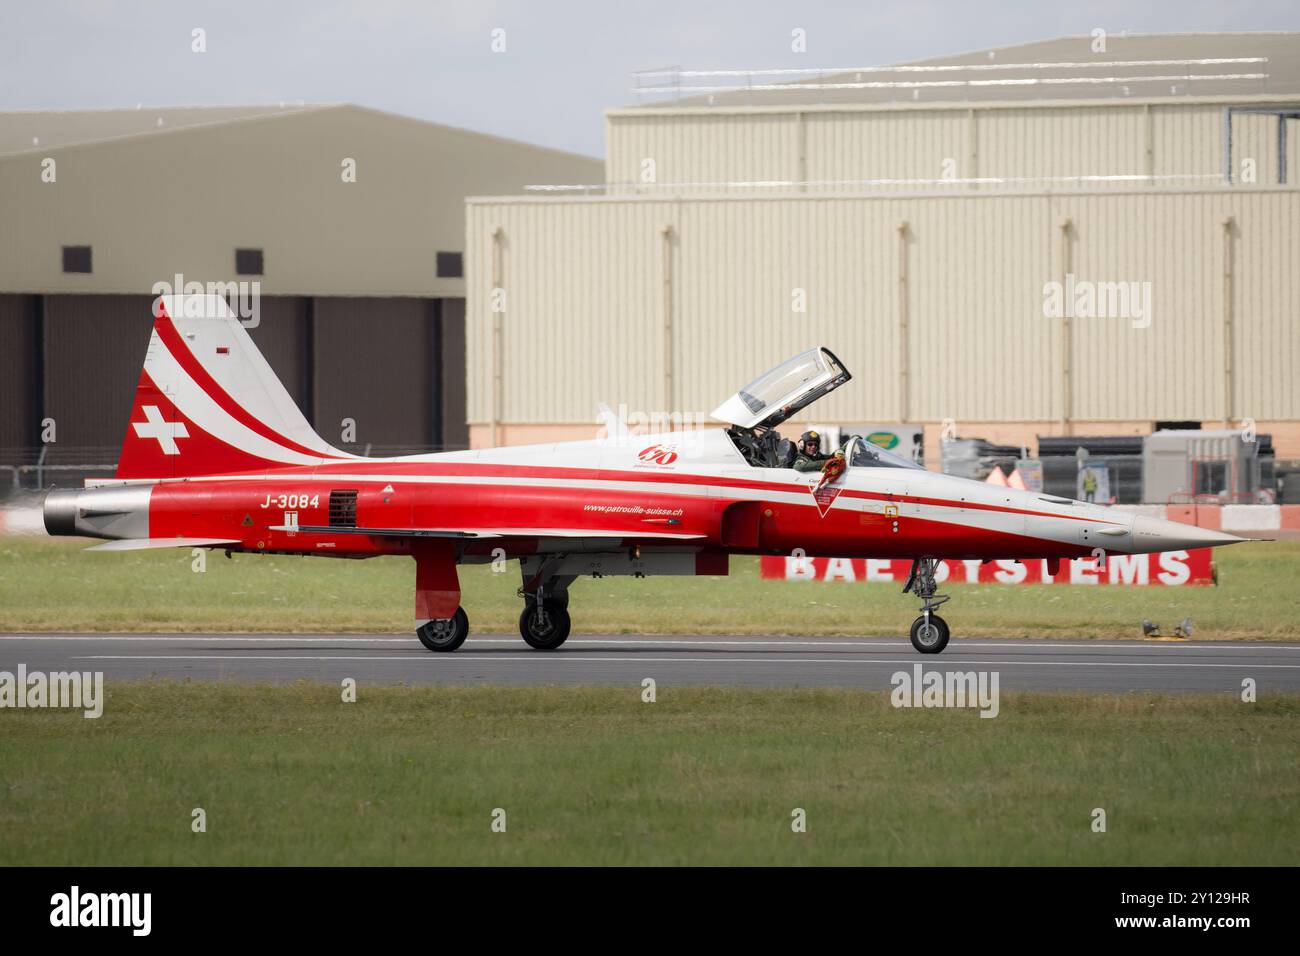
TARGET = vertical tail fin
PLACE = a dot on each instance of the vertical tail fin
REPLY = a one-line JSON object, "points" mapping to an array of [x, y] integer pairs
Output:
{"points": [[208, 402]]}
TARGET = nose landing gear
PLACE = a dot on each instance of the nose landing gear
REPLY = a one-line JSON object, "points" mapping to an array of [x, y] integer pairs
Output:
{"points": [[929, 631]]}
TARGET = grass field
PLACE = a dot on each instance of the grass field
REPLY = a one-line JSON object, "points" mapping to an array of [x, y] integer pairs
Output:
{"points": [[291, 775], [48, 584]]}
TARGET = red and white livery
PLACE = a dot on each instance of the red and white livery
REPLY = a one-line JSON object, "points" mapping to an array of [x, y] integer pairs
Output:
{"points": [[217, 455]]}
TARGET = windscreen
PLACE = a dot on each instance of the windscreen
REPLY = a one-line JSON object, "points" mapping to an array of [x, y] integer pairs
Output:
{"points": [[865, 454]]}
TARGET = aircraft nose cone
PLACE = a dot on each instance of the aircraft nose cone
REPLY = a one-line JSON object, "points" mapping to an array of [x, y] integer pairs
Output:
{"points": [[1157, 534]]}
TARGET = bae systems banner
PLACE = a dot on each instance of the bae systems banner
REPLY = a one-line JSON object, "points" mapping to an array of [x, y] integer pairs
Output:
{"points": [[1169, 568]]}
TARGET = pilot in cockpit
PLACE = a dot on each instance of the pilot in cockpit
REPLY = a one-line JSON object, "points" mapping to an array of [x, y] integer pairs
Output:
{"points": [[810, 457]]}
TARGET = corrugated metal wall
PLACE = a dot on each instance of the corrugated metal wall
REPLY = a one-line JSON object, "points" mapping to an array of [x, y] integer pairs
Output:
{"points": [[703, 149], [281, 336], [1266, 305], [94, 347], [94, 350], [1254, 136], [455, 431], [19, 372], [584, 298], [1078, 141], [1187, 141], [392, 364], [825, 145], [1175, 368], [378, 363], [886, 145], [584, 282]]}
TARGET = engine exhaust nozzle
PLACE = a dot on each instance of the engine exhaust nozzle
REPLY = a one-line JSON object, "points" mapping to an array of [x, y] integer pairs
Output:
{"points": [[60, 511]]}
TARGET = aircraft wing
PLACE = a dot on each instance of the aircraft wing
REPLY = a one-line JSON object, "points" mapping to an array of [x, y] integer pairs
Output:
{"points": [[143, 544], [493, 532]]}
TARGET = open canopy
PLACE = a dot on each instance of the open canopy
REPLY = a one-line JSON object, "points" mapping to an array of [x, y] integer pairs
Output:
{"points": [[778, 394]]}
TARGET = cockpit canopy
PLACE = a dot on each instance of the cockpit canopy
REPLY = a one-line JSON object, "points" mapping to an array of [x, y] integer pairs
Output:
{"points": [[780, 393]]}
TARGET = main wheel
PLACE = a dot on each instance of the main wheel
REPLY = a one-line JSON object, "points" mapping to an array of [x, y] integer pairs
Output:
{"points": [[445, 635], [930, 637], [548, 635]]}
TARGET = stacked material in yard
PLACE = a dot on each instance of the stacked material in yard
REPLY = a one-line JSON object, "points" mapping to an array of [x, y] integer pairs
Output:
{"points": [[975, 457]]}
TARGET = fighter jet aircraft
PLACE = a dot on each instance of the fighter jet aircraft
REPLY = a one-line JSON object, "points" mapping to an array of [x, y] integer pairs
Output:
{"points": [[218, 456]]}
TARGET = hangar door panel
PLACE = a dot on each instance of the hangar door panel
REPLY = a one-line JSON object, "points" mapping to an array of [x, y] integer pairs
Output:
{"points": [[377, 364]]}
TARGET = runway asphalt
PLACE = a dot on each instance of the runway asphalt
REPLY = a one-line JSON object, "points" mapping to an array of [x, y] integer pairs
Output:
{"points": [[867, 662]]}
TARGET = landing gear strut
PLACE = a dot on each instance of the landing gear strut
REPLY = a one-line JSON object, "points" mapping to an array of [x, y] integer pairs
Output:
{"points": [[544, 623], [929, 631], [440, 622]]}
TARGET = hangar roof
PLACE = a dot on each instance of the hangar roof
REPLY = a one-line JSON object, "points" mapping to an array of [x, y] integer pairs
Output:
{"points": [[32, 130], [22, 130], [1137, 66], [341, 199]]}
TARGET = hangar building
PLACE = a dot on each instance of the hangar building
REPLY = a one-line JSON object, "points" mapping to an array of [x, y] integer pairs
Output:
{"points": [[1046, 239], [351, 220]]}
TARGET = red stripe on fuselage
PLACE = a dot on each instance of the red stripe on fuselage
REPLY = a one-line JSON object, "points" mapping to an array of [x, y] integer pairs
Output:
{"points": [[472, 470], [216, 509]]}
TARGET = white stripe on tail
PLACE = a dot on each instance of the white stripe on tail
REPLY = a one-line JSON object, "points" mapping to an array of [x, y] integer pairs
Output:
{"points": [[208, 402]]}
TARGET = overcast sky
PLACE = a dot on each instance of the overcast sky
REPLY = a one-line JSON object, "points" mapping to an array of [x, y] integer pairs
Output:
{"points": [[563, 63]]}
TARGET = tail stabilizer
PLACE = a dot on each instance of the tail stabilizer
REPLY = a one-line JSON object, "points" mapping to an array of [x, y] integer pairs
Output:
{"points": [[208, 402]]}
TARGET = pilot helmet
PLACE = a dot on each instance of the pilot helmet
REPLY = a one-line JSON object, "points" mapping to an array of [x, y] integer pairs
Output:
{"points": [[811, 436]]}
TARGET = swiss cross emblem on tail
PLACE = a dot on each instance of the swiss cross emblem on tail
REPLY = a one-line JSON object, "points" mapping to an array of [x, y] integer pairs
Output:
{"points": [[207, 402], [158, 428], [824, 490]]}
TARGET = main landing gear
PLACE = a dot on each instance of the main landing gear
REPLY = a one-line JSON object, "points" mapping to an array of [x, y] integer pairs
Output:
{"points": [[929, 631], [444, 635], [544, 622], [440, 622]]}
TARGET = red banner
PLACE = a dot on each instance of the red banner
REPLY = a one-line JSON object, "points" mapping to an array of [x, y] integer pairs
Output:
{"points": [[1168, 568]]}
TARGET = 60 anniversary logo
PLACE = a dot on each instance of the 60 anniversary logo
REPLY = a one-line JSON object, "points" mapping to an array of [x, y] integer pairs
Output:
{"points": [[659, 454]]}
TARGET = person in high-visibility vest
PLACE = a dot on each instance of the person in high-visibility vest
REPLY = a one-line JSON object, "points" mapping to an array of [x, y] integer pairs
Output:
{"points": [[1089, 485]]}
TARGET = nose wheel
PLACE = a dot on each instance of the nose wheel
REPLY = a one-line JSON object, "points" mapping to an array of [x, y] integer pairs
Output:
{"points": [[929, 631], [929, 634]]}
